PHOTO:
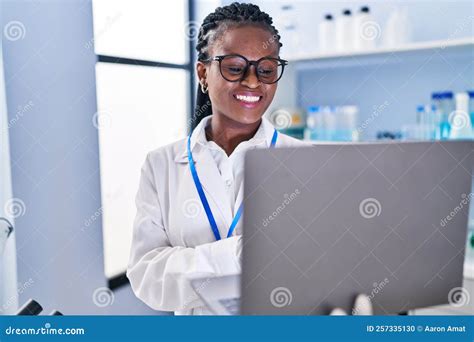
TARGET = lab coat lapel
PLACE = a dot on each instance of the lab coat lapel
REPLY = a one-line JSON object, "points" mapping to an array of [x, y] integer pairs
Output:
{"points": [[213, 186], [238, 202], [211, 179]]}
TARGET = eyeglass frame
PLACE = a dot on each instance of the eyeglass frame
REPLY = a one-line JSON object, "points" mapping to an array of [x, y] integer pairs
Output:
{"points": [[249, 63]]}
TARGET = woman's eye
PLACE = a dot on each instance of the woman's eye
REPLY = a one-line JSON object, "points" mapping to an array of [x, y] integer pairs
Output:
{"points": [[235, 69], [266, 71]]}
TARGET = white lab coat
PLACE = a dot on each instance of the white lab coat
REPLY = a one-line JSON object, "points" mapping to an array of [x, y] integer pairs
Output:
{"points": [[172, 238]]}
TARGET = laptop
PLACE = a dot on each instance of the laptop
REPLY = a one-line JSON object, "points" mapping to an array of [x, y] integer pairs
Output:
{"points": [[324, 223], [221, 295]]}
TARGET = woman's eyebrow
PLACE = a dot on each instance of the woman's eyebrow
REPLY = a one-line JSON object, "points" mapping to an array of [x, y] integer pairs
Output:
{"points": [[230, 52]]}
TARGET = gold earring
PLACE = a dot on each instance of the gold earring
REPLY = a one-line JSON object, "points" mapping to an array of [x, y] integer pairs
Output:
{"points": [[204, 89]]}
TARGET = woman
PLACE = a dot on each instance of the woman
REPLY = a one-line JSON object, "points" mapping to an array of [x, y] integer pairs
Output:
{"points": [[190, 193]]}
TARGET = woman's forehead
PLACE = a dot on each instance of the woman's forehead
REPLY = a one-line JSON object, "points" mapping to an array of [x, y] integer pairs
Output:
{"points": [[250, 41]]}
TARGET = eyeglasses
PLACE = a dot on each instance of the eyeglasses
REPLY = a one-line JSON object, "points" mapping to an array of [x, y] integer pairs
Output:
{"points": [[234, 68]]}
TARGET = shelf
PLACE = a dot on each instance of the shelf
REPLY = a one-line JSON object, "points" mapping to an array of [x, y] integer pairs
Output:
{"points": [[464, 46]]}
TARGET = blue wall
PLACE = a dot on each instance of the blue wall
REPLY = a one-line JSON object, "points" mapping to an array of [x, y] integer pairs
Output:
{"points": [[51, 98], [388, 89]]}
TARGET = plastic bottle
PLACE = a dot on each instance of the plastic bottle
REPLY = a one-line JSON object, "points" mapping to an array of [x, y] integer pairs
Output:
{"points": [[313, 123], [430, 112], [367, 30], [420, 120], [471, 105], [338, 131], [460, 120], [346, 125], [327, 34], [420, 109], [444, 106], [290, 30], [345, 31], [397, 30], [328, 123], [436, 103], [425, 129], [448, 106]]}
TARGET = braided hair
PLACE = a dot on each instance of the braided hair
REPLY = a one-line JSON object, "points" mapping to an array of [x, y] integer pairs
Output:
{"points": [[214, 26]]}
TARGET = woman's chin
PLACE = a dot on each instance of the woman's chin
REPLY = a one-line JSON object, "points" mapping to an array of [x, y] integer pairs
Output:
{"points": [[246, 116], [247, 119]]}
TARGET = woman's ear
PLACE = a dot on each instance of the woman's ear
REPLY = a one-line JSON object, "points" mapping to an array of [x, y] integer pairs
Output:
{"points": [[201, 72]]}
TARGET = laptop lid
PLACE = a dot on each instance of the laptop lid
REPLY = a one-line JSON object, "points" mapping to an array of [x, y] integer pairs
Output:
{"points": [[324, 223]]}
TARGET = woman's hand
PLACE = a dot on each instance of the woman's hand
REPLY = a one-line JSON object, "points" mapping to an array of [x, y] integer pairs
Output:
{"points": [[362, 307]]}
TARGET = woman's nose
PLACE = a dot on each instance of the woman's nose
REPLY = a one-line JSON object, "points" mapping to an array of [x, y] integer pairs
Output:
{"points": [[250, 79]]}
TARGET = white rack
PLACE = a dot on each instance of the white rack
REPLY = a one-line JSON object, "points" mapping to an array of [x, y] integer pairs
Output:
{"points": [[462, 46], [467, 43]]}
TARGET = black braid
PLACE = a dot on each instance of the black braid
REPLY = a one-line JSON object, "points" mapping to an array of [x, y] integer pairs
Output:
{"points": [[213, 27]]}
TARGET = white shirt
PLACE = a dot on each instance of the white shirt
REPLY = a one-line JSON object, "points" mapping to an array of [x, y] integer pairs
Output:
{"points": [[231, 168], [172, 239]]}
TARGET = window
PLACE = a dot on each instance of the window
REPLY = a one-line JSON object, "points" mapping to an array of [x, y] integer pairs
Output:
{"points": [[144, 76], [143, 29]]}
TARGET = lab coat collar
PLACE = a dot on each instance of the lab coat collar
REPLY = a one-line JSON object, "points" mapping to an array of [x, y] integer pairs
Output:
{"points": [[209, 172], [198, 137]]}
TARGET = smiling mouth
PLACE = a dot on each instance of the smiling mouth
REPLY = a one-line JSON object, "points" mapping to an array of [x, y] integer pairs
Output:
{"points": [[248, 99]]}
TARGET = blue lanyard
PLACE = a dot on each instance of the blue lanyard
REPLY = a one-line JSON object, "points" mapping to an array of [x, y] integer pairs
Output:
{"points": [[203, 198]]}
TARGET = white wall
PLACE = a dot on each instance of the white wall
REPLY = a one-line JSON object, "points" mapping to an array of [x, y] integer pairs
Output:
{"points": [[8, 276], [50, 88]]}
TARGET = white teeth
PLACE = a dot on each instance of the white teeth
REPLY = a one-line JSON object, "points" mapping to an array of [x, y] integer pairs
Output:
{"points": [[247, 98]]}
